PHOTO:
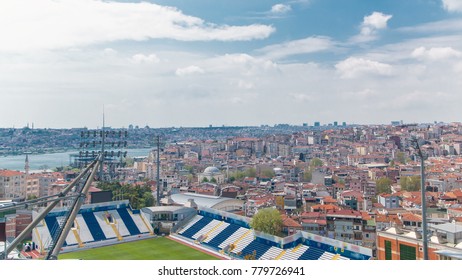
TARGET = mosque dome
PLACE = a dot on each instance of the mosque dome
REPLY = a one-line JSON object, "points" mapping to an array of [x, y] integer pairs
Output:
{"points": [[211, 170]]}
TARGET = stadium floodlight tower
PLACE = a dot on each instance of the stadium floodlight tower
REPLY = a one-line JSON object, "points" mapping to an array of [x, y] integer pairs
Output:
{"points": [[417, 144], [108, 142]]}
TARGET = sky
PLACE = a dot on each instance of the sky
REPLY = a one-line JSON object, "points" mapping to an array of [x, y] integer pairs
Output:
{"points": [[183, 63]]}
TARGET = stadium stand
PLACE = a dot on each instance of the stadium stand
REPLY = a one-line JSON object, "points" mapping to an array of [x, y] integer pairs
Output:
{"points": [[94, 223], [94, 226], [128, 221], [230, 234], [235, 236], [215, 231], [140, 224], [211, 225], [243, 241], [311, 254], [222, 236], [272, 253], [200, 224], [294, 253], [255, 247], [83, 230]]}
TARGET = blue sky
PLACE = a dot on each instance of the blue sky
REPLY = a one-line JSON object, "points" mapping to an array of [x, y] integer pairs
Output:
{"points": [[195, 63]]}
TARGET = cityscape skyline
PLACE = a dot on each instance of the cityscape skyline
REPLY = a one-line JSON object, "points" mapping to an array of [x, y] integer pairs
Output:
{"points": [[176, 63]]}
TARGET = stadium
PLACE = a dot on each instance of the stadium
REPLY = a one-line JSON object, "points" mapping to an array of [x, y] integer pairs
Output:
{"points": [[215, 233], [194, 223]]}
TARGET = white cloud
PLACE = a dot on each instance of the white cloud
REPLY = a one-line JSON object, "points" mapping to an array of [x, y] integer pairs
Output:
{"points": [[436, 53], [370, 26], [302, 97], [141, 58], [353, 67], [245, 85], [280, 9], [302, 46], [190, 70], [452, 5], [52, 24], [109, 51]]}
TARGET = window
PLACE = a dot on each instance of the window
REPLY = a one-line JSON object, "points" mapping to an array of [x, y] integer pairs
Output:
{"points": [[388, 250], [407, 252]]}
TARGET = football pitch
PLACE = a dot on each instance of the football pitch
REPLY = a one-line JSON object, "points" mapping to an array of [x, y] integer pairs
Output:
{"points": [[159, 248]]}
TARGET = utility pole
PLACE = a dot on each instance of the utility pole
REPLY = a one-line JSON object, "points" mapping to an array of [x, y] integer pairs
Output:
{"points": [[424, 201], [101, 166], [158, 170]]}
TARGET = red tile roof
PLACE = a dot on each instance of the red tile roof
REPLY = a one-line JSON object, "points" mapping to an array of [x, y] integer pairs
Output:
{"points": [[10, 173], [289, 222]]}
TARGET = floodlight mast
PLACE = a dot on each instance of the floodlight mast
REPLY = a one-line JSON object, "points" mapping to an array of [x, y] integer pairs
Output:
{"points": [[62, 195], [53, 255], [424, 199]]}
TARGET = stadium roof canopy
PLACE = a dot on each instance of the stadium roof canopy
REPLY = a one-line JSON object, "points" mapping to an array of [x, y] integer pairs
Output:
{"points": [[207, 201]]}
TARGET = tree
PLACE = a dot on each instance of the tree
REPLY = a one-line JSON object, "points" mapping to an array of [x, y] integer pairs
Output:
{"points": [[251, 172], [128, 161], [307, 175], [308, 172], [400, 157], [410, 183], [383, 185], [205, 180], [189, 168], [316, 162], [268, 173], [213, 180], [267, 220], [138, 196]]}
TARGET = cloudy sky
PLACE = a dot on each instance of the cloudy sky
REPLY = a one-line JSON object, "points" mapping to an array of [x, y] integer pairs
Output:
{"points": [[196, 63]]}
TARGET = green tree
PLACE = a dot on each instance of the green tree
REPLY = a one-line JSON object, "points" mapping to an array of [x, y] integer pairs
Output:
{"points": [[128, 161], [316, 162], [308, 174], [189, 168], [267, 220], [400, 157], [410, 183], [383, 185], [205, 180], [138, 196], [213, 180], [251, 172], [238, 175], [268, 173]]}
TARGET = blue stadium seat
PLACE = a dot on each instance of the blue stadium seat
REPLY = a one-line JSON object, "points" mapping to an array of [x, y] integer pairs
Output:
{"points": [[128, 221], [93, 226], [258, 247], [222, 236], [52, 224], [196, 227], [311, 254]]}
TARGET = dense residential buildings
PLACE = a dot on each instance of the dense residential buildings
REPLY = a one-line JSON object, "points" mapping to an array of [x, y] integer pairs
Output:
{"points": [[324, 180]]}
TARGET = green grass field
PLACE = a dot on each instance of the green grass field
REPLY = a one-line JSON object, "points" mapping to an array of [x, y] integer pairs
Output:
{"points": [[149, 249]]}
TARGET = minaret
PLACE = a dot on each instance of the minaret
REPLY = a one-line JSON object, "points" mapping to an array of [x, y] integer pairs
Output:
{"points": [[26, 165]]}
